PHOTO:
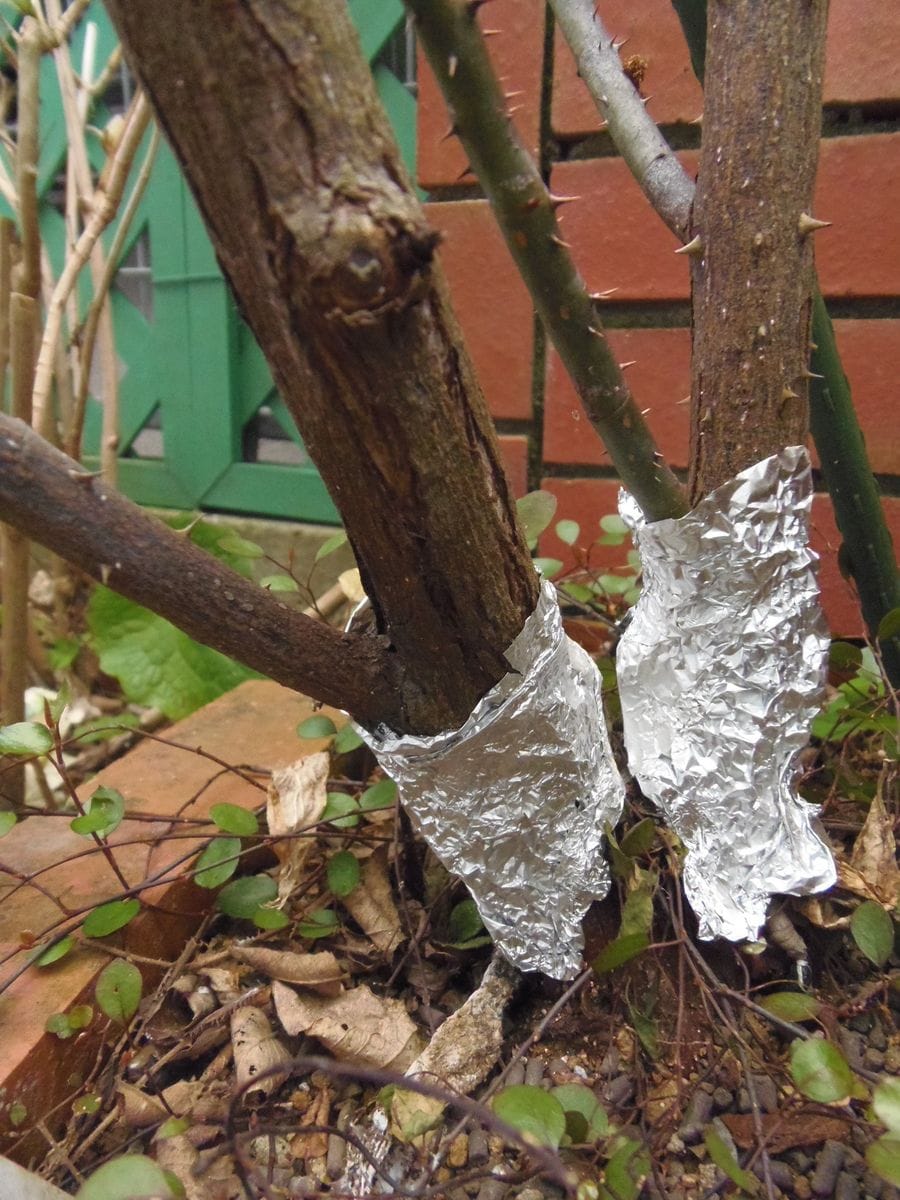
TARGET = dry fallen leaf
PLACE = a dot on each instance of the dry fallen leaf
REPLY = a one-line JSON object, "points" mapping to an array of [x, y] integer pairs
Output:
{"points": [[356, 1027], [313, 1145], [784, 1131], [297, 798], [873, 871], [257, 1050], [371, 904], [461, 1053], [138, 1109], [217, 1179], [321, 971]]}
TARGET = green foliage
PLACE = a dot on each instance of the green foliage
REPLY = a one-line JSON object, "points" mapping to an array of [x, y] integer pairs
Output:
{"points": [[341, 810], [886, 1104], [243, 898], [537, 1115], [54, 952], [321, 923], [63, 653], [270, 918], [331, 544], [218, 862], [883, 1157], [586, 1119], [791, 1006], [156, 664], [104, 814], [232, 546], [318, 726], [722, 1156], [279, 583], [231, 818], [859, 706], [127, 1177], [342, 873], [568, 532], [873, 932], [382, 794], [625, 1171], [107, 918], [620, 951], [25, 738], [820, 1071], [7, 821], [118, 990], [346, 739], [64, 1025], [535, 512], [17, 1113], [548, 567]]}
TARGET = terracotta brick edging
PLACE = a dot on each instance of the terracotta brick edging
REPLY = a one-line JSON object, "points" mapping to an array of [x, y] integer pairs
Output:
{"points": [[254, 725]]}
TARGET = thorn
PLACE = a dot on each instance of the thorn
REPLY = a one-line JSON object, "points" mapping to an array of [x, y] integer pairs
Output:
{"points": [[808, 224], [807, 374], [625, 365], [603, 295], [512, 95], [467, 170], [558, 201], [645, 99], [694, 247], [684, 400], [452, 64], [558, 241], [644, 411], [489, 32], [618, 45], [813, 346], [452, 131], [105, 569], [788, 394], [596, 332], [531, 203], [515, 108], [84, 477]]}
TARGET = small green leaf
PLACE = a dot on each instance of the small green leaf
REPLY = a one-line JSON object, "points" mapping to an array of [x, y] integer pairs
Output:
{"points": [[127, 1177], [232, 544], [218, 862], [7, 820], [243, 897], [380, 795], [58, 1023], [231, 818], [17, 1113], [102, 729], [576, 1098], [568, 531], [55, 952], [639, 838], [844, 656], [270, 918], [613, 523], [318, 924], [820, 1071], [173, 1127], [616, 585], [104, 815], [347, 739], [80, 1016], [316, 727], [279, 583], [86, 1105], [726, 1162], [548, 567], [331, 544], [791, 1006], [577, 591], [535, 513], [626, 1170], [620, 951], [646, 1029], [464, 922], [637, 912], [342, 873], [537, 1115], [883, 1157], [107, 918], [118, 990], [63, 653], [886, 1103], [873, 932], [341, 810], [25, 737], [889, 625]]}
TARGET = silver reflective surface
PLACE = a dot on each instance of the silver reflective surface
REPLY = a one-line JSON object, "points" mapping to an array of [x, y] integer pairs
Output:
{"points": [[516, 800], [720, 674]]}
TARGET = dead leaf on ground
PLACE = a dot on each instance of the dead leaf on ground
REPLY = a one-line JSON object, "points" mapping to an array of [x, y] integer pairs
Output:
{"points": [[371, 904], [257, 1050], [873, 872], [297, 798], [313, 1145], [461, 1053], [784, 1131], [217, 1178], [356, 1027], [321, 971], [138, 1109]]}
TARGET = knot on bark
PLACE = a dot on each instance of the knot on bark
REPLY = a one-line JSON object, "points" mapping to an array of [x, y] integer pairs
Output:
{"points": [[368, 267]]}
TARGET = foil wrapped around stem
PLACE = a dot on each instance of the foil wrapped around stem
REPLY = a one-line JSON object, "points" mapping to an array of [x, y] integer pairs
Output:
{"points": [[516, 800], [720, 673]]}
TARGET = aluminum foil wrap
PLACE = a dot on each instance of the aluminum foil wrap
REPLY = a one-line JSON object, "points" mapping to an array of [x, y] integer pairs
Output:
{"points": [[720, 675], [516, 800]]}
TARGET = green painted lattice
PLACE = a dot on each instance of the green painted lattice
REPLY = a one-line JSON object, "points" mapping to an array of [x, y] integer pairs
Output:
{"points": [[199, 411]]}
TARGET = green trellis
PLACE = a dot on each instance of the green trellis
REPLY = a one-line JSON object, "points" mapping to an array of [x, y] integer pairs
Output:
{"points": [[196, 396]]}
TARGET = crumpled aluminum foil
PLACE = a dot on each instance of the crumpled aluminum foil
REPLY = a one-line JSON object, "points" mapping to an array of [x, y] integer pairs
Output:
{"points": [[720, 675], [516, 800]]}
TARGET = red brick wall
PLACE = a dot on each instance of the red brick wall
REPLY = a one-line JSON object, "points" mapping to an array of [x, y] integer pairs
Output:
{"points": [[619, 243]]}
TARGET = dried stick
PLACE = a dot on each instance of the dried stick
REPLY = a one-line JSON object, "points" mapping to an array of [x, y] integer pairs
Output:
{"points": [[525, 212], [648, 155], [105, 208]]}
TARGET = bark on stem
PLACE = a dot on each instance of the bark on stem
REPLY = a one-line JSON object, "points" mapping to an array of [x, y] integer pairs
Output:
{"points": [[752, 281], [525, 212], [51, 498], [272, 111], [662, 178]]}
